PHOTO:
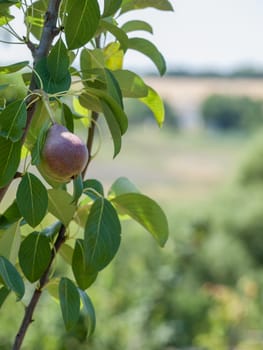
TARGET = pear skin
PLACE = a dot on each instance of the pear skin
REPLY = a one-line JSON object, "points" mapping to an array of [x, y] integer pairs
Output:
{"points": [[64, 155]]}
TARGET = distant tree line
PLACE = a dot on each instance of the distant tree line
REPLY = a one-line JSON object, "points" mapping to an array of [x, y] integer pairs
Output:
{"points": [[233, 113], [248, 72]]}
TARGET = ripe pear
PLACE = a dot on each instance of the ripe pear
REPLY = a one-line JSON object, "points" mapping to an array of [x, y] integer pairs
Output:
{"points": [[64, 155]]}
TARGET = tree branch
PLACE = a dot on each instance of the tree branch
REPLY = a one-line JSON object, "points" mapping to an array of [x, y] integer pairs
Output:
{"points": [[94, 117], [29, 310], [50, 30]]}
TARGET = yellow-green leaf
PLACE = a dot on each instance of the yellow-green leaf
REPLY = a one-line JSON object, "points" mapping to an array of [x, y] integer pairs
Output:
{"points": [[154, 102]]}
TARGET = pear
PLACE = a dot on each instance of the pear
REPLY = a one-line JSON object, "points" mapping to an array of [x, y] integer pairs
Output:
{"points": [[64, 155]]}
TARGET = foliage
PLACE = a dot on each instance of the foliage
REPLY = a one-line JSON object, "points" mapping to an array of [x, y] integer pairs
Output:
{"points": [[251, 168], [12, 88], [203, 290], [224, 113], [76, 76]]}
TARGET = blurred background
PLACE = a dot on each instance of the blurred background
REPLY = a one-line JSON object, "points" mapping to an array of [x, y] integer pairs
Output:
{"points": [[204, 289]]}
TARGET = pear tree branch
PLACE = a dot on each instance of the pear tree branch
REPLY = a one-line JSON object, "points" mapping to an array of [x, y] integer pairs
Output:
{"points": [[29, 310], [49, 32]]}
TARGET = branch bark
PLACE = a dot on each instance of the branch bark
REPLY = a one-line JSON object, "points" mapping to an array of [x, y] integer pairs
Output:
{"points": [[28, 317], [50, 30], [91, 134]]}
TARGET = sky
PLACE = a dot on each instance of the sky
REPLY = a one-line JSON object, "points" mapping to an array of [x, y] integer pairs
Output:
{"points": [[198, 35]]}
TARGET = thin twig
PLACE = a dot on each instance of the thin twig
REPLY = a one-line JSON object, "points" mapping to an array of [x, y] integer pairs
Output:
{"points": [[91, 134], [32, 47]]}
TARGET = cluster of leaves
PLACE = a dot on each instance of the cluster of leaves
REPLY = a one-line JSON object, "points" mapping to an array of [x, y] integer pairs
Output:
{"points": [[76, 80]]}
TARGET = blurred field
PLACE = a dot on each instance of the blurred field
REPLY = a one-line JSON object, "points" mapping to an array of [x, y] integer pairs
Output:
{"points": [[172, 165]]}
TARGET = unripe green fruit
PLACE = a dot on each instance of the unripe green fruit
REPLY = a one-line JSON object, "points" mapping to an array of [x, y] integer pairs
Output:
{"points": [[64, 155]]}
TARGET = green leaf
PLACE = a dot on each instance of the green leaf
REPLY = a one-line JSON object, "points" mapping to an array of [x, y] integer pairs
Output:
{"points": [[5, 4], [113, 87], [111, 7], [128, 5], [90, 59], [26, 78], [67, 117], [83, 276], [32, 199], [13, 120], [66, 252], [9, 160], [69, 302], [77, 188], [120, 35], [90, 102], [10, 240], [150, 50], [131, 84], [93, 188], [89, 312], [113, 127], [82, 212], [10, 216], [11, 278], [117, 110], [12, 68], [37, 149], [102, 235], [154, 102], [81, 22], [34, 255], [50, 85], [5, 17], [113, 56], [41, 118], [4, 86], [4, 292], [134, 25], [52, 288], [58, 61], [122, 186], [146, 212], [8, 2], [35, 17], [60, 204]]}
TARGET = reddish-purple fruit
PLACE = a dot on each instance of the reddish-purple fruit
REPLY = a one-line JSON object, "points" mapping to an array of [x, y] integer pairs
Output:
{"points": [[64, 155]]}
